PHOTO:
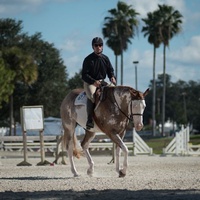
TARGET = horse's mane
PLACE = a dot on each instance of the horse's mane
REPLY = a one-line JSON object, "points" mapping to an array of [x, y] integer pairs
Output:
{"points": [[134, 93]]}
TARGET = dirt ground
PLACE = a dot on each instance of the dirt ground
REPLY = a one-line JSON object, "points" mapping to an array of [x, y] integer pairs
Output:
{"points": [[148, 177]]}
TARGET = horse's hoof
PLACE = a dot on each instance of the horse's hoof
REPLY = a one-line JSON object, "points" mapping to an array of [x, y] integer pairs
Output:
{"points": [[121, 174], [90, 173], [76, 175]]}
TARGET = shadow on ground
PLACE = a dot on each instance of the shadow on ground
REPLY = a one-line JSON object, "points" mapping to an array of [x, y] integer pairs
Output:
{"points": [[104, 195]]}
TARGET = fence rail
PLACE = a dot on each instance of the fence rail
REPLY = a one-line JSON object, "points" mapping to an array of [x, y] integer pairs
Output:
{"points": [[15, 143], [53, 144]]}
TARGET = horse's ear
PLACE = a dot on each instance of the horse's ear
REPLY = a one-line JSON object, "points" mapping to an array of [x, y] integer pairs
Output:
{"points": [[146, 92]]}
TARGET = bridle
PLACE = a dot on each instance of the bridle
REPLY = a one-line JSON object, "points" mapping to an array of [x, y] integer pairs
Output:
{"points": [[139, 114], [132, 114]]}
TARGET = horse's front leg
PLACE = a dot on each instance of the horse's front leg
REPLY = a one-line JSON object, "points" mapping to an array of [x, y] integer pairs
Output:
{"points": [[120, 144], [117, 155], [89, 136], [122, 172]]}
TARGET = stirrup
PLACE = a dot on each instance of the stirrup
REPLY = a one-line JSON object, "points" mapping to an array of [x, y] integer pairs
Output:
{"points": [[89, 124]]}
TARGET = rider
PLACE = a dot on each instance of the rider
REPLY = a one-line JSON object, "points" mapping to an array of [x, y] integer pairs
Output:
{"points": [[95, 68]]}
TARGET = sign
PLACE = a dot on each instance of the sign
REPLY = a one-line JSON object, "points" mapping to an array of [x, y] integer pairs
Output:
{"points": [[32, 118]]}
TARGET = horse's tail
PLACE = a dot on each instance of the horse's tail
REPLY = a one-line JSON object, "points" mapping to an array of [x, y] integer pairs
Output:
{"points": [[66, 140]]}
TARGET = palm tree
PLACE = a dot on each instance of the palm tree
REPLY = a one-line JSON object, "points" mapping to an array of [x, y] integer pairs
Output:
{"points": [[119, 27], [151, 29], [24, 69], [113, 43], [169, 26], [6, 77]]}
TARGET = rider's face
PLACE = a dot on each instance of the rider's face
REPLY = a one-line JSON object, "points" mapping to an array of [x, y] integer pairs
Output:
{"points": [[98, 48]]}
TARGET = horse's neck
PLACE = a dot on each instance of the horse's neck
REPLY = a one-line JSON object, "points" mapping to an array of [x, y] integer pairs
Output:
{"points": [[121, 95]]}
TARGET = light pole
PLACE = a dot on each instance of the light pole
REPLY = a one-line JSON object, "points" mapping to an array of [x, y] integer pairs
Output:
{"points": [[184, 106], [158, 106], [135, 62]]}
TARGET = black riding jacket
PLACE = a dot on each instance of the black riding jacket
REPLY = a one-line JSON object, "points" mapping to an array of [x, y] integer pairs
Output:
{"points": [[96, 68]]}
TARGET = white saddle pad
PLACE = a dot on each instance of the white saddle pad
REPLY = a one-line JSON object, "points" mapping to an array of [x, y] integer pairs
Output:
{"points": [[81, 99]]}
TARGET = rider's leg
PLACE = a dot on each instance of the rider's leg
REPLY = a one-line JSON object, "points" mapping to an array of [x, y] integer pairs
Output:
{"points": [[90, 90], [90, 110]]}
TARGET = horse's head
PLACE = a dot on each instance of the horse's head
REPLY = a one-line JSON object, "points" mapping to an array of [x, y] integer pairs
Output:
{"points": [[137, 108]]}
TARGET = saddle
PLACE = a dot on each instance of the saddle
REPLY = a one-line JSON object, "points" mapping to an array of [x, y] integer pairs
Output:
{"points": [[100, 95], [81, 99]]}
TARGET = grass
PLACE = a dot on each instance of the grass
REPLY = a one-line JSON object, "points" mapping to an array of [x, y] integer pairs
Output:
{"points": [[161, 142], [195, 139]]}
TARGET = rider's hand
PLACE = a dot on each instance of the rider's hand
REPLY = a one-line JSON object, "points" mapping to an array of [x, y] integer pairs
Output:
{"points": [[113, 80], [97, 83]]}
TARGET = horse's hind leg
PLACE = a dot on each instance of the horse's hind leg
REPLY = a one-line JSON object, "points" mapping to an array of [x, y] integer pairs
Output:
{"points": [[69, 140], [89, 136]]}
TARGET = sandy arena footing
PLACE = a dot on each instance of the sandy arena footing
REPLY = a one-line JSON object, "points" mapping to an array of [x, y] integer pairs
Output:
{"points": [[148, 177]]}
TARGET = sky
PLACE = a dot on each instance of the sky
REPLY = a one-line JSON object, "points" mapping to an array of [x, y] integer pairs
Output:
{"points": [[72, 24]]}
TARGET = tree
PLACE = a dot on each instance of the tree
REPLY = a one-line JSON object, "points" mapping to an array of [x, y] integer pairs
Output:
{"points": [[119, 28], [18, 51], [113, 43], [51, 86], [6, 86], [10, 32], [182, 102], [75, 81], [23, 69], [151, 29], [169, 25], [15, 59]]}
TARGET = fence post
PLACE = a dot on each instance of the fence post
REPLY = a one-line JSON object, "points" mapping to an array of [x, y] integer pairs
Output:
{"points": [[42, 152], [25, 162]]}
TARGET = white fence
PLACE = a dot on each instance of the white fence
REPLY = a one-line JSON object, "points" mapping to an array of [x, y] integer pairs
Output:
{"points": [[180, 144], [140, 147], [11, 145]]}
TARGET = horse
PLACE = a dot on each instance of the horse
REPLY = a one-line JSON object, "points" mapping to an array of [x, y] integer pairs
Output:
{"points": [[115, 106]]}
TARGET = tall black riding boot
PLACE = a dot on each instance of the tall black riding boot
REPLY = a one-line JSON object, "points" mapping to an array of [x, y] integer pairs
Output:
{"points": [[90, 109]]}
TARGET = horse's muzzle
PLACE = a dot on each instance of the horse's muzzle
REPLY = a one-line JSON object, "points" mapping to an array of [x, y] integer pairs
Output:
{"points": [[138, 127]]}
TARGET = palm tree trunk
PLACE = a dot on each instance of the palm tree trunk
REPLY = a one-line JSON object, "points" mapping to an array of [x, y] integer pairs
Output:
{"points": [[154, 94], [164, 89], [11, 115], [122, 69], [116, 70]]}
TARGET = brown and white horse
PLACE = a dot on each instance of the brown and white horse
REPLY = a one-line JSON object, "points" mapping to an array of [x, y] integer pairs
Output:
{"points": [[111, 116]]}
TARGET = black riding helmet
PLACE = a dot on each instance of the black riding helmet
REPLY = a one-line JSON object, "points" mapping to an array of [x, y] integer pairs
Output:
{"points": [[97, 40]]}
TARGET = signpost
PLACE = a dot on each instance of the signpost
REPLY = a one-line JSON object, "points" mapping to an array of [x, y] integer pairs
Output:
{"points": [[32, 119]]}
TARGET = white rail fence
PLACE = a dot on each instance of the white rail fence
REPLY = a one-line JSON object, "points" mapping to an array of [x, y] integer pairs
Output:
{"points": [[14, 144], [140, 147], [180, 144], [137, 146]]}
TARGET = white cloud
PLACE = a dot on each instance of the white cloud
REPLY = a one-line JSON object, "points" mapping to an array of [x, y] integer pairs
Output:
{"points": [[188, 53], [145, 6], [186, 73], [17, 6], [70, 45], [73, 64]]}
